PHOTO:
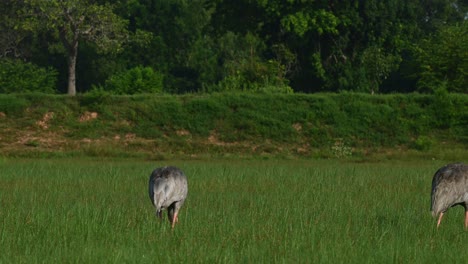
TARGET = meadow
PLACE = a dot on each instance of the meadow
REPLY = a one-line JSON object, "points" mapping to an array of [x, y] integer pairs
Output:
{"points": [[238, 211]]}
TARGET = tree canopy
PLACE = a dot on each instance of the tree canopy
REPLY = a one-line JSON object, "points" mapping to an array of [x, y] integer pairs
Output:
{"points": [[70, 22], [247, 45]]}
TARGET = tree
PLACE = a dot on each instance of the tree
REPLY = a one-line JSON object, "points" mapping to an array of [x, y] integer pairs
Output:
{"points": [[377, 66], [72, 21], [176, 29], [11, 38], [442, 60]]}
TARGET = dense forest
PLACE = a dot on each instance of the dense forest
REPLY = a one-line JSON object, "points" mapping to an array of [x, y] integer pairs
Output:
{"points": [[192, 46]]}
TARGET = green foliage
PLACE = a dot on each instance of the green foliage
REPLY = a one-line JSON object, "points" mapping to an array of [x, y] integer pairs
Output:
{"points": [[280, 46], [12, 105], [320, 21], [377, 66], [443, 60], [135, 81], [12, 41], [67, 23], [96, 97], [204, 58], [423, 143], [202, 113], [239, 123], [243, 69], [443, 107], [177, 46], [19, 77], [77, 20]]}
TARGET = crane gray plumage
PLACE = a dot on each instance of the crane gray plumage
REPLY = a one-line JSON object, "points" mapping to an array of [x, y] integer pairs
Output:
{"points": [[168, 190], [450, 188]]}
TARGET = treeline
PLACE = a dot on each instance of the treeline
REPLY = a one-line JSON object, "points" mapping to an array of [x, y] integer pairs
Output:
{"points": [[190, 46]]}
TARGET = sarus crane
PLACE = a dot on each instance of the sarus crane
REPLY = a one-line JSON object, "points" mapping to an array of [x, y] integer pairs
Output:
{"points": [[168, 190], [450, 188]]}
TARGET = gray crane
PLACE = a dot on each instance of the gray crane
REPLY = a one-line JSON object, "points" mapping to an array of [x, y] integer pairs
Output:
{"points": [[168, 190], [450, 188]]}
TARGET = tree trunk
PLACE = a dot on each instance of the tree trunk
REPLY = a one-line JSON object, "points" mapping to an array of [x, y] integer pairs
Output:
{"points": [[72, 70]]}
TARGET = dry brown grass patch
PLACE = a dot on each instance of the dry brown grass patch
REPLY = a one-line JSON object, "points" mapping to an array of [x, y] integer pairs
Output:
{"points": [[87, 116]]}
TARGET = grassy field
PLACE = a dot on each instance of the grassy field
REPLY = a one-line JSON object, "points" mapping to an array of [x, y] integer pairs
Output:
{"points": [[98, 211]]}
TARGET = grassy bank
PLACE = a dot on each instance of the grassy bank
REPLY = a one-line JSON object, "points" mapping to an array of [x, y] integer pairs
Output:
{"points": [[262, 125], [88, 211]]}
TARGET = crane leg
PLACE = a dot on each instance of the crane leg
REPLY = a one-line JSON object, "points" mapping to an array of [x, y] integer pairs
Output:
{"points": [[440, 219], [159, 214], [175, 219], [466, 219]]}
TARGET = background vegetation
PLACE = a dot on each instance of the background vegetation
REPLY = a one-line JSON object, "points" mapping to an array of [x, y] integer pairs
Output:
{"points": [[343, 125], [191, 46]]}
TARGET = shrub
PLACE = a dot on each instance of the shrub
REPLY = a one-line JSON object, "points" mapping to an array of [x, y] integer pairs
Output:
{"points": [[18, 77], [422, 143], [135, 81]]}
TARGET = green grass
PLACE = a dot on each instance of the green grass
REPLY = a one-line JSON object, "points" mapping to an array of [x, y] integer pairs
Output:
{"points": [[216, 125], [98, 211]]}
